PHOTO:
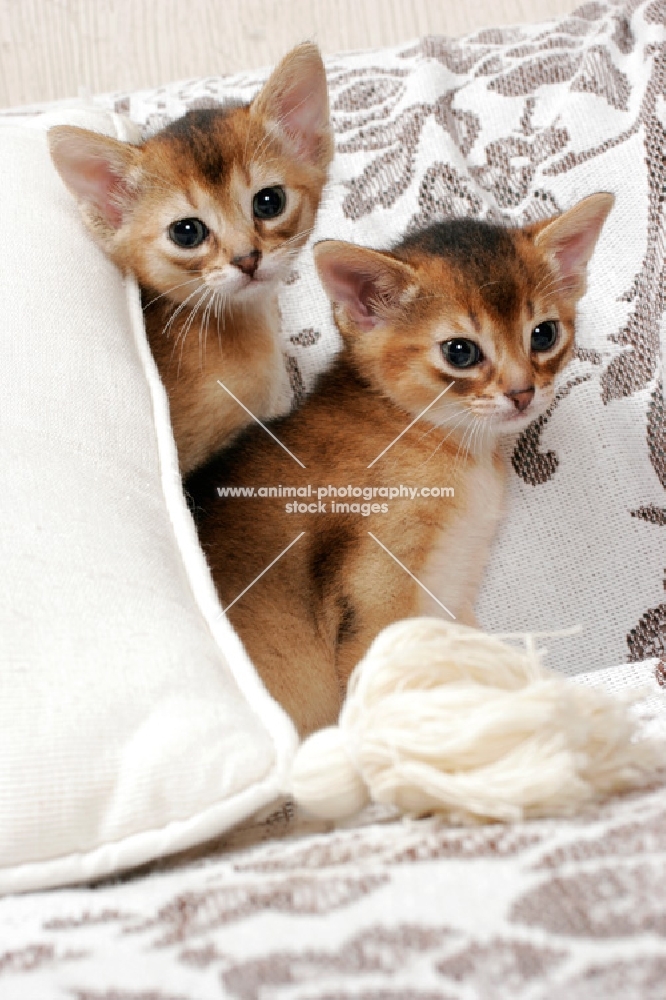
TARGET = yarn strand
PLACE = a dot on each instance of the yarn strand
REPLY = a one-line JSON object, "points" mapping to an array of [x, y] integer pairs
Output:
{"points": [[443, 718]]}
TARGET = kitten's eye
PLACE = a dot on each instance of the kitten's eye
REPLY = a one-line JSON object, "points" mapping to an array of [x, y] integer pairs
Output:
{"points": [[544, 335], [269, 202], [188, 233], [461, 353]]}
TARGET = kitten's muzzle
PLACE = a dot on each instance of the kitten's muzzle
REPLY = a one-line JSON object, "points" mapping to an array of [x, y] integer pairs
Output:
{"points": [[521, 398], [247, 262]]}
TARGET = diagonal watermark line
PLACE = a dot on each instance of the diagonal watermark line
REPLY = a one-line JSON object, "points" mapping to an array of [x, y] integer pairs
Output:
{"points": [[257, 420], [277, 559], [408, 426], [409, 573]]}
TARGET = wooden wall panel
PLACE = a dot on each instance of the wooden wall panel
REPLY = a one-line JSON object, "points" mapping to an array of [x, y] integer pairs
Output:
{"points": [[52, 48]]}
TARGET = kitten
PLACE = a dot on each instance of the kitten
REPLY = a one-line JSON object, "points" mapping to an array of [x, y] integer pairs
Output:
{"points": [[451, 340], [209, 214]]}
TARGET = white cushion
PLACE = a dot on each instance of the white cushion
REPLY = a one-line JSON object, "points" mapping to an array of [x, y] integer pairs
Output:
{"points": [[131, 721]]}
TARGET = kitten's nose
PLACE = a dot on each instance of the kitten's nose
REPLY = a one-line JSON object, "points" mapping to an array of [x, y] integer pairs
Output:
{"points": [[247, 262], [521, 398]]}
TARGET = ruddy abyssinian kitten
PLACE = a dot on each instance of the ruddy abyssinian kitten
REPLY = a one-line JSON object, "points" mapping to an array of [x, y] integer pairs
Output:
{"points": [[484, 312], [209, 214]]}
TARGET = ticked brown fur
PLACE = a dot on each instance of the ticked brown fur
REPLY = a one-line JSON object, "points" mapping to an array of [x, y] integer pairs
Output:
{"points": [[310, 618], [211, 310]]}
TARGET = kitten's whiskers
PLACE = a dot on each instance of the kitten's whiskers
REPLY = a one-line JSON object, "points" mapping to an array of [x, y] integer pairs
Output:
{"points": [[185, 329], [465, 443], [167, 327], [556, 284], [203, 328], [459, 417], [292, 239], [170, 290]]}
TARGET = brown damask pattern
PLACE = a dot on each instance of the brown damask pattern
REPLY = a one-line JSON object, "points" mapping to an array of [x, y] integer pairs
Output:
{"points": [[590, 925], [496, 36], [462, 126], [656, 12], [375, 950], [623, 36], [195, 913], [532, 465], [365, 95], [387, 177], [648, 638], [491, 66], [424, 844], [445, 192], [457, 57], [590, 12], [368, 93], [598, 74], [563, 42], [295, 378], [589, 354], [305, 338], [125, 995], [599, 884], [381, 995], [594, 905], [500, 967], [592, 72], [656, 432], [627, 840], [633, 369], [34, 957], [620, 980], [511, 164], [546, 70], [86, 919]]}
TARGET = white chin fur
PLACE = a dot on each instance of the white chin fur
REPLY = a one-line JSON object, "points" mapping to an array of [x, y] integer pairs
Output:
{"points": [[514, 422], [508, 424], [507, 419], [234, 282]]}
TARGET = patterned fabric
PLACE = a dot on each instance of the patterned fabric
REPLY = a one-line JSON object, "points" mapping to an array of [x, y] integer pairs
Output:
{"points": [[516, 124], [510, 124]]}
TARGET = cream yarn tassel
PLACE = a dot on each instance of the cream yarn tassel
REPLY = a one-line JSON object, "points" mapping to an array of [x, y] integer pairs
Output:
{"points": [[442, 718]]}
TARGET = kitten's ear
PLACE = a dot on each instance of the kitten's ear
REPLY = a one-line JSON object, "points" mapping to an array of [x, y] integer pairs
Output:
{"points": [[96, 169], [371, 286], [295, 103], [570, 239]]}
